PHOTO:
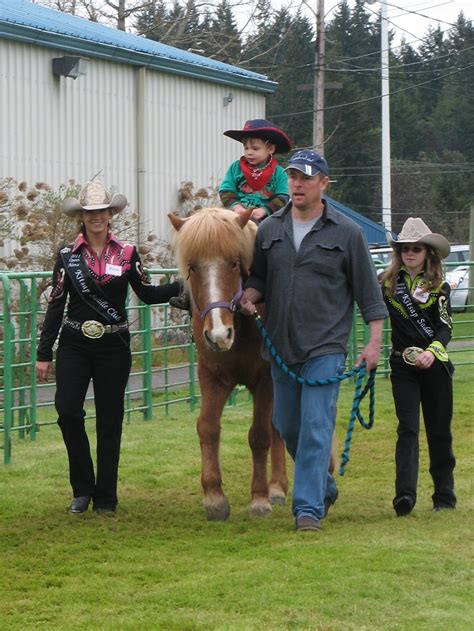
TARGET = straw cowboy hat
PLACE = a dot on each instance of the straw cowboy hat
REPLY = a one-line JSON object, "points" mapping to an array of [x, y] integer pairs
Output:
{"points": [[416, 231], [94, 196], [266, 130]]}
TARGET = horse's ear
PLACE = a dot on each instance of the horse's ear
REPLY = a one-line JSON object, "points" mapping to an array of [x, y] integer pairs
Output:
{"points": [[177, 222], [243, 218]]}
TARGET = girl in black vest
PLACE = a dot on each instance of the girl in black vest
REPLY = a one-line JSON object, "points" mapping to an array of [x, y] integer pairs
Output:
{"points": [[94, 272], [420, 316]]}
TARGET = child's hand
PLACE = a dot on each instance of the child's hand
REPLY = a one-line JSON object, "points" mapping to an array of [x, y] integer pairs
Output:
{"points": [[238, 208], [259, 213]]}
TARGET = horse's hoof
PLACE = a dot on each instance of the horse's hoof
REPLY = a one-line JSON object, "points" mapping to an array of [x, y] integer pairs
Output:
{"points": [[217, 511], [277, 497], [260, 507]]}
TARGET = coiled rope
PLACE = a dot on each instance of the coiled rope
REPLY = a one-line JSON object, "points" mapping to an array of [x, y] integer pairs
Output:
{"points": [[359, 393]]}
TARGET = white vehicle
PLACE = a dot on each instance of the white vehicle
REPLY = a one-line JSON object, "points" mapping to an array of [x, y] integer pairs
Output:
{"points": [[458, 276], [381, 256]]}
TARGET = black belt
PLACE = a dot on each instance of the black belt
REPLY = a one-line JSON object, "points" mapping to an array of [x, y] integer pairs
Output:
{"points": [[94, 329], [408, 354]]}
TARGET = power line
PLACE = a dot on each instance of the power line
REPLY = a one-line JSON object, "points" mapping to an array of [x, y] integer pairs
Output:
{"points": [[422, 15], [373, 98]]}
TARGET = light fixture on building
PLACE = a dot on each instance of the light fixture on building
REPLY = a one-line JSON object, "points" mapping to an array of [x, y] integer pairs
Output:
{"points": [[69, 67], [228, 99]]}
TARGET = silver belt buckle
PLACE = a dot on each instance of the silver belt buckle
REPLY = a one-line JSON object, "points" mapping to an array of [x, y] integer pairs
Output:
{"points": [[92, 329], [410, 354]]}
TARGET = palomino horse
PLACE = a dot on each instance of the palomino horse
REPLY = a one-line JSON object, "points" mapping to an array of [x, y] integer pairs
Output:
{"points": [[214, 249]]}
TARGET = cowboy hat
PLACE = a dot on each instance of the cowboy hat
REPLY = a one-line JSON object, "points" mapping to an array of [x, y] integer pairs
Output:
{"points": [[94, 196], [266, 130], [415, 230]]}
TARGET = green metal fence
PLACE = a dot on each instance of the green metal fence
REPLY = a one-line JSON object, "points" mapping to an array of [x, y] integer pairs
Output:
{"points": [[164, 361]]}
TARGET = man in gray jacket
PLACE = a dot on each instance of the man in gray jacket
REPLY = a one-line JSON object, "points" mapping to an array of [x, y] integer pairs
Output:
{"points": [[310, 264]]}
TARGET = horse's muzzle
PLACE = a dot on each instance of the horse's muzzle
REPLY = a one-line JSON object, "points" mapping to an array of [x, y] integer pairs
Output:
{"points": [[221, 344]]}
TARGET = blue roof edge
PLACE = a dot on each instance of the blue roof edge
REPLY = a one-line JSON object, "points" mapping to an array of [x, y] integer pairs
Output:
{"points": [[371, 227], [69, 43]]}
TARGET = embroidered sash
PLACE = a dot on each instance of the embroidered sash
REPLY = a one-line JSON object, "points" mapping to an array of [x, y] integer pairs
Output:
{"points": [[78, 272], [420, 322]]}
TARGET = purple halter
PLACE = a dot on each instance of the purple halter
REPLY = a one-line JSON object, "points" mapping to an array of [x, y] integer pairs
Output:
{"points": [[222, 304]]}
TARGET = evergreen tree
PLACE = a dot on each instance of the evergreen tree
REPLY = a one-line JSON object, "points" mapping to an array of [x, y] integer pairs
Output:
{"points": [[353, 115], [453, 118], [224, 35], [282, 48], [179, 26], [406, 125], [434, 53]]}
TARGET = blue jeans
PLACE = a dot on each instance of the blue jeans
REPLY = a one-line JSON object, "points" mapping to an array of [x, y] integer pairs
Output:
{"points": [[305, 416]]}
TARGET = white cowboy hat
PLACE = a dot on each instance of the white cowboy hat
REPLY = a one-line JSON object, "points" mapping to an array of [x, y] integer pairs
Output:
{"points": [[415, 230], [94, 196]]}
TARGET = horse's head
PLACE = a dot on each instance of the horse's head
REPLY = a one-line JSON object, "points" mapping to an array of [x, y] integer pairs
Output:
{"points": [[213, 247]]}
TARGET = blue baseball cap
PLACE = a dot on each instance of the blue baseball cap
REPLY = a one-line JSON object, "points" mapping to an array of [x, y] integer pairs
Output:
{"points": [[308, 162]]}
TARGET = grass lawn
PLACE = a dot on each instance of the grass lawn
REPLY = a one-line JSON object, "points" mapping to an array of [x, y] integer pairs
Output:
{"points": [[158, 564]]}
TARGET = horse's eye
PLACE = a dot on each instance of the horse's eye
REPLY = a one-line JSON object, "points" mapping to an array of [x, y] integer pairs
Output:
{"points": [[236, 264], [191, 268]]}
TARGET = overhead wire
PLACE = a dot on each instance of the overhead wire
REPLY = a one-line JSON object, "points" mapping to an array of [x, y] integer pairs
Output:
{"points": [[378, 96]]}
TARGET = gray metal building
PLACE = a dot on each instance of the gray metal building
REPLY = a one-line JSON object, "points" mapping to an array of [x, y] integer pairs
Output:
{"points": [[149, 115]]}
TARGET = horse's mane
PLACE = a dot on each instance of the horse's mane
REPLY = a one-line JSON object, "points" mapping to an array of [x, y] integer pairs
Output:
{"points": [[214, 233]]}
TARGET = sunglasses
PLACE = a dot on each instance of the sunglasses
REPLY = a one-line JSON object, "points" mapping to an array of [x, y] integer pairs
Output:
{"points": [[412, 248]]}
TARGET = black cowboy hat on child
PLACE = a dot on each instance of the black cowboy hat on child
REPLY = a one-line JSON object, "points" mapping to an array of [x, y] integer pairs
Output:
{"points": [[266, 130]]}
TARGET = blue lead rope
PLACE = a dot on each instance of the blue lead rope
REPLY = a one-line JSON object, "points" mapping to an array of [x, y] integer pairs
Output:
{"points": [[359, 394]]}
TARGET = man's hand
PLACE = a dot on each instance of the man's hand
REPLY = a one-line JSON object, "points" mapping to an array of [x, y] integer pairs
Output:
{"points": [[370, 355], [371, 352], [44, 370], [248, 300]]}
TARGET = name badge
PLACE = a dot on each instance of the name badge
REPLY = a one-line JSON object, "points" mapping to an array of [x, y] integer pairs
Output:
{"points": [[421, 295], [113, 270]]}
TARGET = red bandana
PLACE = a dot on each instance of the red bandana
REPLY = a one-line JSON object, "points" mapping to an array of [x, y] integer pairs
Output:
{"points": [[257, 178]]}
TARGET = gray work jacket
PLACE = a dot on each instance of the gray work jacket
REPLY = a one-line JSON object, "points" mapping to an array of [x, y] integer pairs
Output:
{"points": [[310, 294]]}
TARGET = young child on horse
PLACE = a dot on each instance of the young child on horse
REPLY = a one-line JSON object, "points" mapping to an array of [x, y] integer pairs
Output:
{"points": [[256, 180]]}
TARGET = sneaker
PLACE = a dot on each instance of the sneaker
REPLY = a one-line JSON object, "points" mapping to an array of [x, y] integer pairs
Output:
{"points": [[305, 522], [403, 506]]}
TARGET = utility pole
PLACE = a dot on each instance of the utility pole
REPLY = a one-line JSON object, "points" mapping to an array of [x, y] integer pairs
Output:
{"points": [[319, 68], [385, 92]]}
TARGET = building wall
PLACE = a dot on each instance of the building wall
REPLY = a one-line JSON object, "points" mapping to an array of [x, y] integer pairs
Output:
{"points": [[54, 129]]}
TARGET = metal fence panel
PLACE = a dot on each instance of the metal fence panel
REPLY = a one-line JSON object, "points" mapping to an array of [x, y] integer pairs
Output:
{"points": [[163, 353]]}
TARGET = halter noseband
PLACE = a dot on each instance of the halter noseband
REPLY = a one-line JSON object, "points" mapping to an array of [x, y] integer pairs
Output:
{"points": [[222, 304]]}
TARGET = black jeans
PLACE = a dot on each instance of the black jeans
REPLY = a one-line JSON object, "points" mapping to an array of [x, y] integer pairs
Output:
{"points": [[433, 389], [107, 362]]}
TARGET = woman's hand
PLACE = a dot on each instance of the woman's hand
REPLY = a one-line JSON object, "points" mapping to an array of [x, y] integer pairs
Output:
{"points": [[424, 360], [44, 370]]}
